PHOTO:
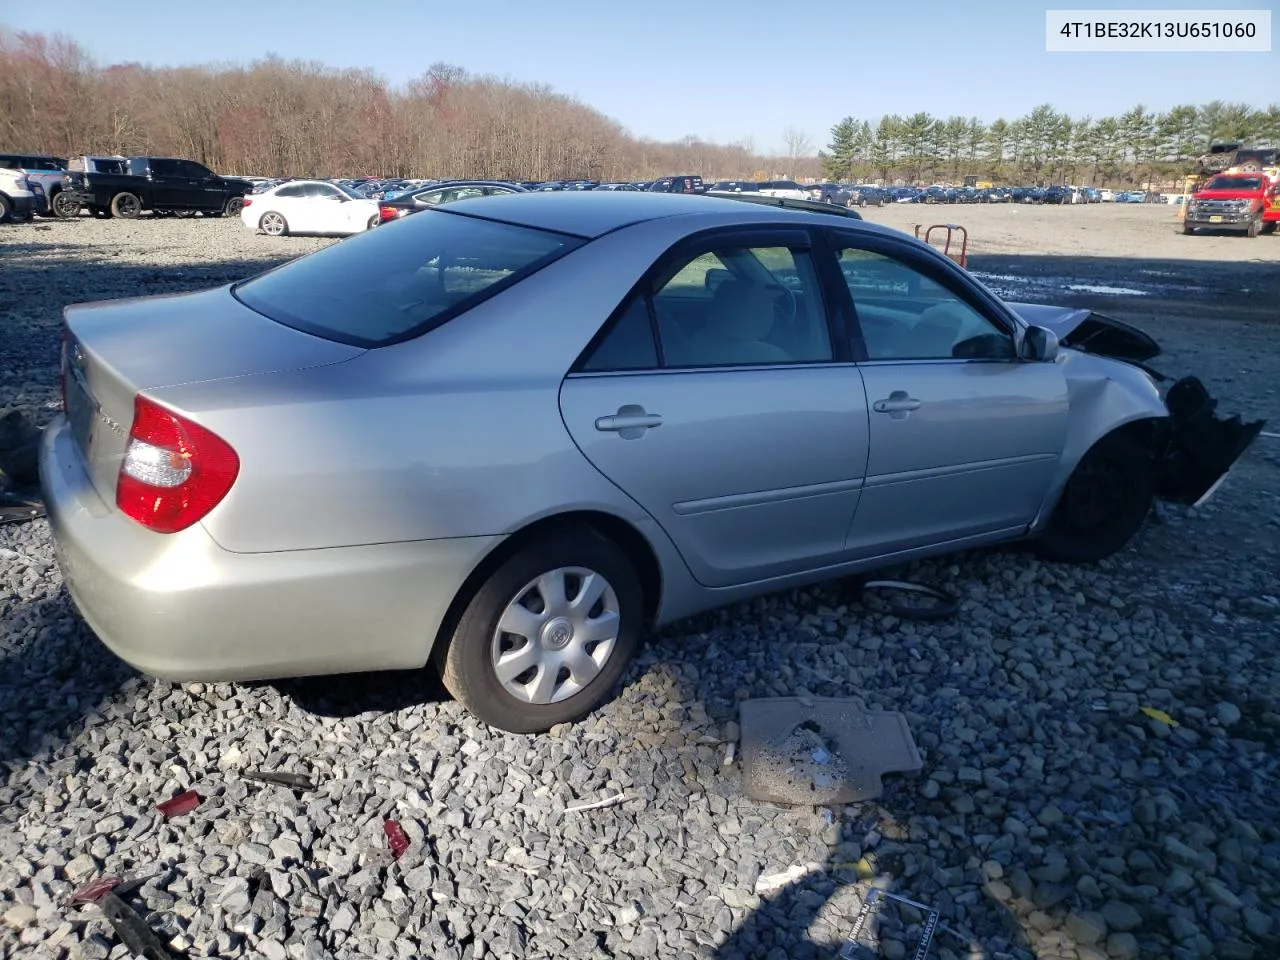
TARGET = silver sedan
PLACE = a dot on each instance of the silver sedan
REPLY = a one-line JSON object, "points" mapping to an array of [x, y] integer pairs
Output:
{"points": [[511, 434]]}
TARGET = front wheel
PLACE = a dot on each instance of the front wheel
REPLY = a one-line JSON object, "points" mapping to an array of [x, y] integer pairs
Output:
{"points": [[1104, 503], [65, 205], [1188, 230], [1255, 227], [547, 636]]}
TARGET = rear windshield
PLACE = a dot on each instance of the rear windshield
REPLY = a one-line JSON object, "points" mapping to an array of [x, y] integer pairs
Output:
{"points": [[400, 280]]}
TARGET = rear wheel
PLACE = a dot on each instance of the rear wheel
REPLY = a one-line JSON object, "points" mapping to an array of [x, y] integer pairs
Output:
{"points": [[373, 222], [548, 634], [273, 224], [234, 206], [6, 208], [1105, 502], [1269, 226], [126, 206]]}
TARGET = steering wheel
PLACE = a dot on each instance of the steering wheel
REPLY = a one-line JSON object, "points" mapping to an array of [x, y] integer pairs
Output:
{"points": [[785, 305]]}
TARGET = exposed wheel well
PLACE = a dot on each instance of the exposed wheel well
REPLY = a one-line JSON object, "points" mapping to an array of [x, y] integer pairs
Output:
{"points": [[606, 525]]}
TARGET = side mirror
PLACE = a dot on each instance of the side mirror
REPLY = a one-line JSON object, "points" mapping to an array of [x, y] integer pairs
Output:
{"points": [[1039, 345]]}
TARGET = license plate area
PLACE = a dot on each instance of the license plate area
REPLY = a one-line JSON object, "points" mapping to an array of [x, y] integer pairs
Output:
{"points": [[81, 412], [1215, 219]]}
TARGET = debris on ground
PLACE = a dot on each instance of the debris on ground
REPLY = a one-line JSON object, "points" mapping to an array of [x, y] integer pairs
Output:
{"points": [[132, 930], [175, 806], [396, 838], [854, 948], [94, 891], [597, 805], [913, 601], [818, 751], [17, 508], [295, 781]]}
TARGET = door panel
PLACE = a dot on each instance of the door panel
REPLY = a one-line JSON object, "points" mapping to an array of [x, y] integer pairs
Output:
{"points": [[975, 456], [753, 473]]}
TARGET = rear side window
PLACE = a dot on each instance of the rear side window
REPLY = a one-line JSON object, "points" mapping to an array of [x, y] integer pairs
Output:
{"points": [[402, 279]]}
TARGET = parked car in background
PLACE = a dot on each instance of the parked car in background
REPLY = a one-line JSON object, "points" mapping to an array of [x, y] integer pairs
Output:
{"points": [[20, 197], [1245, 202], [734, 186], [627, 187], [46, 171], [787, 189], [456, 439], [1106, 196], [1091, 194], [314, 207], [867, 195], [443, 192], [682, 183], [832, 193], [1057, 194], [161, 184], [1132, 196]]}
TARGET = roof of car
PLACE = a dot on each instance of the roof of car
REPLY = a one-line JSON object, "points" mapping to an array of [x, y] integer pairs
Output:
{"points": [[592, 213]]}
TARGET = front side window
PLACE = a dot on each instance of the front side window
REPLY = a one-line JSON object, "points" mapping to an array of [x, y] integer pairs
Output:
{"points": [[906, 315], [387, 285], [730, 306]]}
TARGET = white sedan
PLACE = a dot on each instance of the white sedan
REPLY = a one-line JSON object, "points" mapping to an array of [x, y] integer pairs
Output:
{"points": [[309, 206]]}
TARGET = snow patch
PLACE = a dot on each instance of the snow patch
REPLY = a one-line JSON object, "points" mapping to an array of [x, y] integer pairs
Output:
{"points": [[1109, 291]]}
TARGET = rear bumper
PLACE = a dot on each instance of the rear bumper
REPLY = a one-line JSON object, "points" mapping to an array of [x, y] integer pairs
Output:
{"points": [[182, 608], [26, 204]]}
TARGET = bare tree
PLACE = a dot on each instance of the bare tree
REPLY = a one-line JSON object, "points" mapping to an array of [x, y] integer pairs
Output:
{"points": [[798, 144]]}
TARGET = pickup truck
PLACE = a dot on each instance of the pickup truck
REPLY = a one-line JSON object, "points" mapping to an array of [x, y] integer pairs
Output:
{"points": [[160, 184], [44, 170], [1244, 202]]}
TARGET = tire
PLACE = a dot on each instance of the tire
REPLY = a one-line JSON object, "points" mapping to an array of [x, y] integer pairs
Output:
{"points": [[126, 206], [6, 208], [1188, 230], [1105, 502], [570, 557], [273, 224], [1255, 227], [373, 222], [1269, 226], [65, 206], [233, 206]]}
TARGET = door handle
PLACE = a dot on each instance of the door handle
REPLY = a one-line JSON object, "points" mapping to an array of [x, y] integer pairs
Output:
{"points": [[630, 422], [898, 402], [618, 423]]}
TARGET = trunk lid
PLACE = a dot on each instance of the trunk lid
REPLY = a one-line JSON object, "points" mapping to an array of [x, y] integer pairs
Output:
{"points": [[115, 349]]}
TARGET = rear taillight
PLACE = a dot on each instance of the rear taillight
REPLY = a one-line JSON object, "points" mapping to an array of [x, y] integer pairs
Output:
{"points": [[174, 471], [390, 213], [248, 201]]}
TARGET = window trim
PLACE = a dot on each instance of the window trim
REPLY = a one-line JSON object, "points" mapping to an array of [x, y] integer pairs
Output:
{"points": [[933, 266], [805, 238]]}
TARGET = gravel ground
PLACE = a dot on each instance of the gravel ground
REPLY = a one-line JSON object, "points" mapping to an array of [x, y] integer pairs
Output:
{"points": [[1053, 819]]}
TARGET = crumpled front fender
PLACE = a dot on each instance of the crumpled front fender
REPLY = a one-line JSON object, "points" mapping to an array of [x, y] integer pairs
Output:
{"points": [[1193, 447]]}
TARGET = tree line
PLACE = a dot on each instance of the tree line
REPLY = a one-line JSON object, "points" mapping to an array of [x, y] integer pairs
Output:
{"points": [[295, 118], [300, 118], [1045, 146]]}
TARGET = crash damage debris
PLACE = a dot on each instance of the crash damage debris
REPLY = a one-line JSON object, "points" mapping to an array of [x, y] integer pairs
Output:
{"points": [[819, 751], [132, 930], [94, 891], [18, 509], [175, 806], [295, 781], [1201, 446], [925, 603], [396, 838], [854, 949]]}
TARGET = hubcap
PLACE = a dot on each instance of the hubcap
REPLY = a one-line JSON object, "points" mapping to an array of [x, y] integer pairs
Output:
{"points": [[556, 635]]}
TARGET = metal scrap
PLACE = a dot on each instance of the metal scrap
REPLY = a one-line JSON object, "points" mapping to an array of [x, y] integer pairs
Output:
{"points": [[296, 781], [132, 929]]}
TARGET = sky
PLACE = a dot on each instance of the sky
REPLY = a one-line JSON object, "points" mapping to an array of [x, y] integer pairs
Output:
{"points": [[667, 70]]}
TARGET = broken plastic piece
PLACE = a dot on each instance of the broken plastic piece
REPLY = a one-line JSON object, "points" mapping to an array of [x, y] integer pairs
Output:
{"points": [[295, 780], [184, 802], [943, 604], [782, 738], [1160, 715], [95, 891], [132, 929], [607, 802], [398, 842]]}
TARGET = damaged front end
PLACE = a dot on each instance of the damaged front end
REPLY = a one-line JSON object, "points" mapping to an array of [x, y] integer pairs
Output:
{"points": [[1195, 447]]}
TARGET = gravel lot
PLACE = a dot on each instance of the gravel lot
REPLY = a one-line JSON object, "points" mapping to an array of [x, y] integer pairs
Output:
{"points": [[1053, 819]]}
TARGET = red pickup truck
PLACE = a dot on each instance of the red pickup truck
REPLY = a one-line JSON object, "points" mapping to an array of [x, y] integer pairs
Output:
{"points": [[1248, 202]]}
